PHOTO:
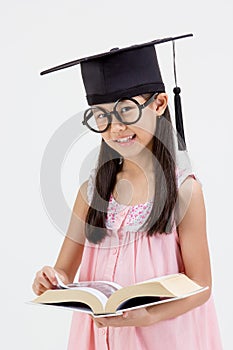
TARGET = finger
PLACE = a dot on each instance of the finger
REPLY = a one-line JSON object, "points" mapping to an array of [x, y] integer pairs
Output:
{"points": [[42, 280], [49, 272], [38, 288], [99, 324]]}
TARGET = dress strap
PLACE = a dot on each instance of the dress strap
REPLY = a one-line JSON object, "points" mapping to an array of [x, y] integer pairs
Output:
{"points": [[182, 174], [91, 185]]}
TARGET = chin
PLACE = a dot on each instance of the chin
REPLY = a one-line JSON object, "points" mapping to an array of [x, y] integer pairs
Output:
{"points": [[138, 151]]}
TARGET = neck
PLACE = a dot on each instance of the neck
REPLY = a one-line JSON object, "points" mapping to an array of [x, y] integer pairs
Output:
{"points": [[142, 162]]}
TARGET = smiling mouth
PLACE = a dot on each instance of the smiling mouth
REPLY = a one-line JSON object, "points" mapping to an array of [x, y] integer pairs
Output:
{"points": [[125, 139]]}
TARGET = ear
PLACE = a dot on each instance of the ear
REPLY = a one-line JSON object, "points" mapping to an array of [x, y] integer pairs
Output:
{"points": [[160, 103]]}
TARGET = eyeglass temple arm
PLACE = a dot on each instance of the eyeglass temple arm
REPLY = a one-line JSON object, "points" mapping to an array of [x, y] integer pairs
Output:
{"points": [[87, 117], [150, 100]]}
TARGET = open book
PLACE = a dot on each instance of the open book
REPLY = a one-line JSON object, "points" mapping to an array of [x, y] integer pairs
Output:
{"points": [[102, 298]]}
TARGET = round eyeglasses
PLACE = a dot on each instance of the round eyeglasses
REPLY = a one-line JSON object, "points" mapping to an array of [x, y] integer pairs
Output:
{"points": [[126, 110]]}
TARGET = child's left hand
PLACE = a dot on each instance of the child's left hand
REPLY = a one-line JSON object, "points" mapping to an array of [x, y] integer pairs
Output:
{"points": [[137, 318]]}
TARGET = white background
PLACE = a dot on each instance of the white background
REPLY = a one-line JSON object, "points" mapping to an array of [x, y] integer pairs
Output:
{"points": [[36, 35]]}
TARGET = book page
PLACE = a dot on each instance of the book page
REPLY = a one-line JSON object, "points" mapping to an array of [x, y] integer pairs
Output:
{"points": [[94, 291], [107, 288]]}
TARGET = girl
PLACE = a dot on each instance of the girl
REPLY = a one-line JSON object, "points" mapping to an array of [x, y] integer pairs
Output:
{"points": [[139, 215]]}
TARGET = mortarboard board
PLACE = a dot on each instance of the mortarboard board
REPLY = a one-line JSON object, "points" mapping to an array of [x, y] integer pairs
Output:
{"points": [[128, 71]]}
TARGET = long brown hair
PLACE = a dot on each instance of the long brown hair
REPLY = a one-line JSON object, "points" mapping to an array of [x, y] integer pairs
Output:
{"points": [[160, 219]]}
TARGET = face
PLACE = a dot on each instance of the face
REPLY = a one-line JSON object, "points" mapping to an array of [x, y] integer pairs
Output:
{"points": [[131, 140]]}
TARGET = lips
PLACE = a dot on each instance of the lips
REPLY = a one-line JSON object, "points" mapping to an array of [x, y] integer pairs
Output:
{"points": [[125, 139]]}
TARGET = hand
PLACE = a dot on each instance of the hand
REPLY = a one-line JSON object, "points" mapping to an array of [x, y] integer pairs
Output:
{"points": [[45, 279], [137, 318]]}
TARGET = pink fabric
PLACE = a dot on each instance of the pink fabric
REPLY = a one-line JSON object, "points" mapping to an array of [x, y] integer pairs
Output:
{"points": [[128, 256]]}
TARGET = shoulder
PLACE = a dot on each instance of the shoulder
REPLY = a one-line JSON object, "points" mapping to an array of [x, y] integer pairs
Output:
{"points": [[191, 187], [190, 204], [85, 192], [76, 229]]}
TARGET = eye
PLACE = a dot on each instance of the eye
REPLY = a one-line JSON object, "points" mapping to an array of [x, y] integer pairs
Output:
{"points": [[126, 109], [101, 116]]}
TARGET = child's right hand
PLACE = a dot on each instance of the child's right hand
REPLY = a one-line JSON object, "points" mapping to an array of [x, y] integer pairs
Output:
{"points": [[46, 279]]}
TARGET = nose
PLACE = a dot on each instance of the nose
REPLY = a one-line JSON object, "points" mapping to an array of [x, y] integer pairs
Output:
{"points": [[116, 125]]}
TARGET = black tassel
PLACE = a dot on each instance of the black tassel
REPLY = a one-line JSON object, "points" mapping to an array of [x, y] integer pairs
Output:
{"points": [[179, 120], [178, 109]]}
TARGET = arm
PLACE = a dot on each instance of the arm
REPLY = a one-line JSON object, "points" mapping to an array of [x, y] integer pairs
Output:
{"points": [[70, 255], [71, 251], [194, 249]]}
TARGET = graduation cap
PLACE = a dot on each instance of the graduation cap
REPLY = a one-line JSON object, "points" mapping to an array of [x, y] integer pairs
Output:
{"points": [[128, 71]]}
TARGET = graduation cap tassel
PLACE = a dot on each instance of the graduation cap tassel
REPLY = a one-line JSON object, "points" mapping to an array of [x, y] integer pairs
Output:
{"points": [[178, 110]]}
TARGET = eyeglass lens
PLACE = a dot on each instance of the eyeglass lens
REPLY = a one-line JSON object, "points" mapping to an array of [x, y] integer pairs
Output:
{"points": [[98, 119]]}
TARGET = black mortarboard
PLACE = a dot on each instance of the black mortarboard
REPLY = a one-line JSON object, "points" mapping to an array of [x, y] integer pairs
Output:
{"points": [[129, 71]]}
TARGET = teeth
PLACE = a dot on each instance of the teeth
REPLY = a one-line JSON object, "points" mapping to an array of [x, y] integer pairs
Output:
{"points": [[126, 139]]}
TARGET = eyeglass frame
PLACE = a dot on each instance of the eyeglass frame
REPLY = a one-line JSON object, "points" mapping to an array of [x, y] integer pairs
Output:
{"points": [[116, 114]]}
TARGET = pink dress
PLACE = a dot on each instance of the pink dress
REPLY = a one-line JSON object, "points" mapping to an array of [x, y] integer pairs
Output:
{"points": [[128, 256]]}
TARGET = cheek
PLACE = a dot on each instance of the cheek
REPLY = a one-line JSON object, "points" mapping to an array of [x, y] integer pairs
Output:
{"points": [[106, 136], [145, 137], [148, 121], [108, 140], [146, 130]]}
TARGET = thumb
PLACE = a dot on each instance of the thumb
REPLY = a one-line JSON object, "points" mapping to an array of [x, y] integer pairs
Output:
{"points": [[59, 276]]}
